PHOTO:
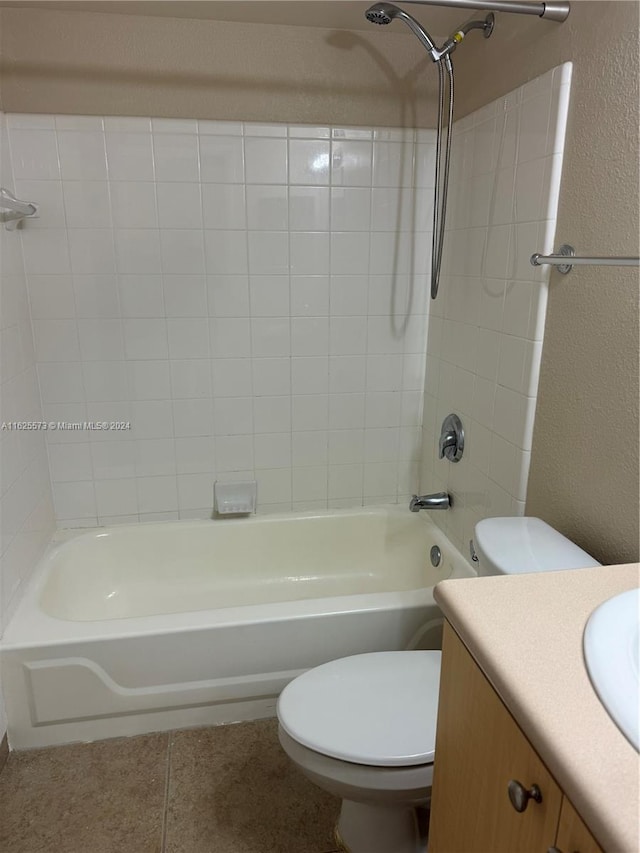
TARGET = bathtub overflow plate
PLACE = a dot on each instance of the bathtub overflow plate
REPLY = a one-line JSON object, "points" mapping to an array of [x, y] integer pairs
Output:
{"points": [[436, 556]]}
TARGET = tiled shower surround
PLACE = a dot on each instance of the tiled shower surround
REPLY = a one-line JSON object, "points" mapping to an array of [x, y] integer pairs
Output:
{"points": [[250, 299], [26, 509], [486, 327]]}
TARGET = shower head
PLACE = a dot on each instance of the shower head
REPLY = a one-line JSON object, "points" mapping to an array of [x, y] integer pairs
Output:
{"points": [[384, 13], [381, 13]]}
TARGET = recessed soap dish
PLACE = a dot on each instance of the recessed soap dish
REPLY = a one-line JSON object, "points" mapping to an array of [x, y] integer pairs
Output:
{"points": [[235, 498]]}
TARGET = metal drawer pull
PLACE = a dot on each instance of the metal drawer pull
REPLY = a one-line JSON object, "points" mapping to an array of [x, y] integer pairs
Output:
{"points": [[554, 850], [520, 797]]}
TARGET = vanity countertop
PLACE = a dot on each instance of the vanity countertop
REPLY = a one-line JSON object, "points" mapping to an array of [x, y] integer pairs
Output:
{"points": [[525, 632]]}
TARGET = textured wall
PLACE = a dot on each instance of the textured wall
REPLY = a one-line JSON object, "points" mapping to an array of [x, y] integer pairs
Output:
{"points": [[584, 469], [109, 64]]}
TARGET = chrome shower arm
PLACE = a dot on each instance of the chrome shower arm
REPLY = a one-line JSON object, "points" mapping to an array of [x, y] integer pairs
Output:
{"points": [[554, 10], [454, 40]]}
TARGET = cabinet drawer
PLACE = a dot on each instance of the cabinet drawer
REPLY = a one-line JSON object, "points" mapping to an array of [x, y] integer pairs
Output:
{"points": [[479, 751]]}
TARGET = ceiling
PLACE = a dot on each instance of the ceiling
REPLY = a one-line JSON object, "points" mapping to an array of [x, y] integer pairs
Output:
{"points": [[332, 14]]}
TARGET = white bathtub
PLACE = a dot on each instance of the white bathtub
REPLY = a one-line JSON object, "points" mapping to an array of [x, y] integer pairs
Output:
{"points": [[142, 628]]}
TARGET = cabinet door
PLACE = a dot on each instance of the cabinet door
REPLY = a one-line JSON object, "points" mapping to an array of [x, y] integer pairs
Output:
{"points": [[479, 750], [573, 835]]}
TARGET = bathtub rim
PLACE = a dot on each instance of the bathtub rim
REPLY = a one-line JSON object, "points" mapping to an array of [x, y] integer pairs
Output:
{"points": [[30, 626]]}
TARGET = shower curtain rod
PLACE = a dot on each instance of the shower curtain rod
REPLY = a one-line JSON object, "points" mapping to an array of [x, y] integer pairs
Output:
{"points": [[555, 10]]}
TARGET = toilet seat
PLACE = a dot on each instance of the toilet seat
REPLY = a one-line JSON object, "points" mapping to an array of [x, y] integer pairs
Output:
{"points": [[376, 709], [360, 782]]}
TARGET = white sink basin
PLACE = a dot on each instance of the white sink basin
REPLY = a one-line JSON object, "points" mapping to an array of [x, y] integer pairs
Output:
{"points": [[611, 641]]}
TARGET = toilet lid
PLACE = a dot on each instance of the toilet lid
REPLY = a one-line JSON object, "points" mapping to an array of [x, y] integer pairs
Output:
{"points": [[378, 709]]}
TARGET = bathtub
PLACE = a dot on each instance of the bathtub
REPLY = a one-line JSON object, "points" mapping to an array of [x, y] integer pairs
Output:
{"points": [[149, 627]]}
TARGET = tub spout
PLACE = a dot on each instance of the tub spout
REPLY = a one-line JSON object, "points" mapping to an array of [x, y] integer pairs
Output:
{"points": [[439, 500]]}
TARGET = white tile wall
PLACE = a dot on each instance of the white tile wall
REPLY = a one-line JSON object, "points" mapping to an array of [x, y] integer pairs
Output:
{"points": [[487, 325], [26, 509], [251, 298]]}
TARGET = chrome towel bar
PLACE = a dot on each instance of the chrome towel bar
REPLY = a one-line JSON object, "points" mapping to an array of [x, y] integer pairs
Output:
{"points": [[565, 260]]}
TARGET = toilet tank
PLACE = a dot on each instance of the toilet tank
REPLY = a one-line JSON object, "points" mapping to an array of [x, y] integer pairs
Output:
{"points": [[511, 546]]}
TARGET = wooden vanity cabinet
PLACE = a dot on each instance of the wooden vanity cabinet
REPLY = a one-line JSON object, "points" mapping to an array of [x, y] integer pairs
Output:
{"points": [[485, 768], [573, 835]]}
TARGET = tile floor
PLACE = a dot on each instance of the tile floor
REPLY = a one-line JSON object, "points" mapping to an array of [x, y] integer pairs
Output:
{"points": [[227, 789]]}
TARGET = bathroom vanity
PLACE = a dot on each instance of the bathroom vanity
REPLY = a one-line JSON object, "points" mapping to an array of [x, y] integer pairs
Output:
{"points": [[528, 759]]}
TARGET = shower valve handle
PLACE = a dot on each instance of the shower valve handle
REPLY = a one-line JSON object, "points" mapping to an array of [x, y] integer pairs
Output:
{"points": [[451, 441], [447, 439]]}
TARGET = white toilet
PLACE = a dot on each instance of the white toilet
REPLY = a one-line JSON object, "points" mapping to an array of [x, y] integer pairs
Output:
{"points": [[364, 727]]}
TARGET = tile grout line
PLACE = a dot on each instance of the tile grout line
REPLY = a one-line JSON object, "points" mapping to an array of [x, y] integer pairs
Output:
{"points": [[4, 752], [163, 835]]}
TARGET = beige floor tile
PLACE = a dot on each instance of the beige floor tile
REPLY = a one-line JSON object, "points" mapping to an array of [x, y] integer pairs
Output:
{"points": [[233, 790], [104, 797]]}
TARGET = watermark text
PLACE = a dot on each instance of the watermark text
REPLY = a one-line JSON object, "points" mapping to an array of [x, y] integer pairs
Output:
{"points": [[61, 426]]}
